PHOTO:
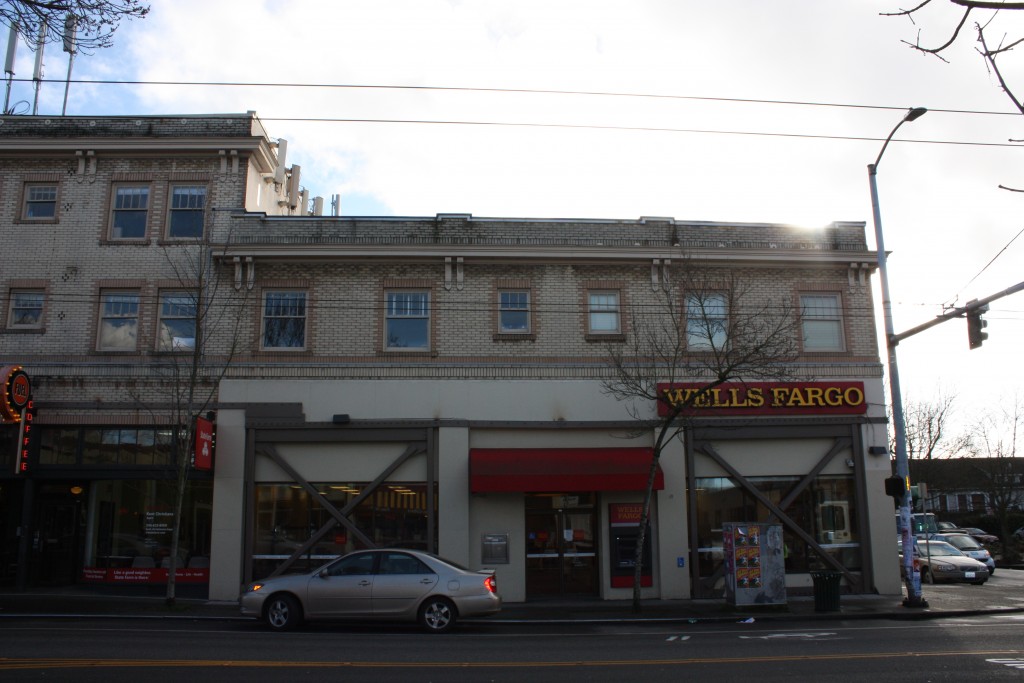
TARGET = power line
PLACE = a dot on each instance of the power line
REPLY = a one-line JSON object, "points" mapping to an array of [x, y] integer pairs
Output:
{"points": [[530, 91]]}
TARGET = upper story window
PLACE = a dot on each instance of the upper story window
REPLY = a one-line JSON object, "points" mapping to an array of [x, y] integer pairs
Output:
{"points": [[26, 309], [707, 321], [407, 321], [130, 212], [514, 312], [119, 321], [603, 311], [177, 327], [284, 320], [821, 317], [40, 202], [188, 208]]}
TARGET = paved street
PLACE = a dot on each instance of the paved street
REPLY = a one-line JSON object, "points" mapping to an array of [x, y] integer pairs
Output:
{"points": [[970, 633]]}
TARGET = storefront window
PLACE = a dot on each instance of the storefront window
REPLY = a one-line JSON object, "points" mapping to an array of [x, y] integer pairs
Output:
{"points": [[120, 446], [130, 522], [394, 515], [826, 510]]}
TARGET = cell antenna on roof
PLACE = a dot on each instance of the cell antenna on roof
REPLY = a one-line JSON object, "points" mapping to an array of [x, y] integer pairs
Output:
{"points": [[70, 30], [37, 72], [12, 48]]}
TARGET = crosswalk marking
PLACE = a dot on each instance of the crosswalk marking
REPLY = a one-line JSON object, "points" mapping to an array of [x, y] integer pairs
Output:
{"points": [[1012, 663], [679, 638]]}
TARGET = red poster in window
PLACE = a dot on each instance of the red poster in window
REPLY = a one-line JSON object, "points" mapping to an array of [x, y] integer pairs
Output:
{"points": [[203, 459]]}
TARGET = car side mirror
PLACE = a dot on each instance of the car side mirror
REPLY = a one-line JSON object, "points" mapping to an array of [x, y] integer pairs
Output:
{"points": [[323, 573]]}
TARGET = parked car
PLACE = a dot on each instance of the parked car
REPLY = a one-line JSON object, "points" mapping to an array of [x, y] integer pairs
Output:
{"points": [[946, 527], [970, 547], [1019, 534], [404, 585], [939, 561], [980, 535]]}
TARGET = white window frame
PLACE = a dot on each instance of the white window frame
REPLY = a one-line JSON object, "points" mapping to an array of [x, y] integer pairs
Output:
{"points": [[287, 308], [194, 203], [118, 305], [821, 317], [173, 305], [30, 201], [513, 303], [707, 320], [138, 202], [402, 305], [19, 301], [604, 305]]}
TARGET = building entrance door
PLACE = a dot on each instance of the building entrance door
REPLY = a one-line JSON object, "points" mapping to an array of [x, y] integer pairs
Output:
{"points": [[57, 543], [561, 545]]}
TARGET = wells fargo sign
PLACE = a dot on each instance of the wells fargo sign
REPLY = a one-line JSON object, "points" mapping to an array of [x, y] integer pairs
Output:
{"points": [[765, 398]]}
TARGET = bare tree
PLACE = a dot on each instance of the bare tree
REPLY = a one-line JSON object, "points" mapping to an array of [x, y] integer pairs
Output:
{"points": [[701, 326], [93, 22], [997, 447], [927, 427], [198, 338], [991, 50]]}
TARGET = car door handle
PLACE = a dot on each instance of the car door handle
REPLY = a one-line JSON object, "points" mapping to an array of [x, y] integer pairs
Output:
{"points": [[426, 582], [364, 582]]}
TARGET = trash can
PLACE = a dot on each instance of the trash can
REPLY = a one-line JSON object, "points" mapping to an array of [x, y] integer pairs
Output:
{"points": [[826, 591]]}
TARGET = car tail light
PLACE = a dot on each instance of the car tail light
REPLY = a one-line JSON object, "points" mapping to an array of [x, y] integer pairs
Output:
{"points": [[491, 584]]}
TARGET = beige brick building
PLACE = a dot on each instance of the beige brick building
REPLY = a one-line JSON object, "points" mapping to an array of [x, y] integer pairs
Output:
{"points": [[437, 382]]}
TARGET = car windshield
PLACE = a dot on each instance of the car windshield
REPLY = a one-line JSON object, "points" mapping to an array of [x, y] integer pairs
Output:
{"points": [[963, 542], [938, 548]]}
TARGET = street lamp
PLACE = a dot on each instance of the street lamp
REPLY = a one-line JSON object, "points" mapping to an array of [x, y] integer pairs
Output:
{"points": [[912, 576]]}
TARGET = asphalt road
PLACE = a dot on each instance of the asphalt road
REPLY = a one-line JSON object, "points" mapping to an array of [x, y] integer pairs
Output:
{"points": [[986, 647], [989, 648]]}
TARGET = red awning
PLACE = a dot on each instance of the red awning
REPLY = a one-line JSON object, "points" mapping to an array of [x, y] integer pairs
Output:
{"points": [[561, 469]]}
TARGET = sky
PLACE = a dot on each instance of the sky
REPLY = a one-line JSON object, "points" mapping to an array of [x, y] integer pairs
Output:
{"points": [[745, 111]]}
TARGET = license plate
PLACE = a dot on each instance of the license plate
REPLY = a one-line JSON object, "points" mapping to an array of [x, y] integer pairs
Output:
{"points": [[968, 575]]}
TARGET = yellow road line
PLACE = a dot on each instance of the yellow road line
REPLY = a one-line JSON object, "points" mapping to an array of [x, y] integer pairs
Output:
{"points": [[9, 664]]}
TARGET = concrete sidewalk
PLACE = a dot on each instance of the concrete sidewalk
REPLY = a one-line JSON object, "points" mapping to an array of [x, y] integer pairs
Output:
{"points": [[943, 601]]}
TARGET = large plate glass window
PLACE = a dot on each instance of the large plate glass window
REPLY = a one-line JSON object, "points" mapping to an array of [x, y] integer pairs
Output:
{"points": [[822, 322], [131, 209], [188, 206], [407, 327], [707, 321], [119, 321], [284, 320], [177, 329]]}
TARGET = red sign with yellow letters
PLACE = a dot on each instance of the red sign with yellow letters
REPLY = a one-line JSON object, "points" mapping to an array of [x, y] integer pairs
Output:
{"points": [[764, 398]]}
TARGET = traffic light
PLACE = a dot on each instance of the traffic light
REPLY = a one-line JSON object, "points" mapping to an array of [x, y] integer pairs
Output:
{"points": [[895, 486], [975, 325]]}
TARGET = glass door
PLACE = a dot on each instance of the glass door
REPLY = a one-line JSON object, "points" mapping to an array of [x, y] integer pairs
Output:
{"points": [[561, 549]]}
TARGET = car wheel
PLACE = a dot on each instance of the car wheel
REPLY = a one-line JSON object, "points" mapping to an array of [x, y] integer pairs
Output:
{"points": [[926, 576], [437, 615], [283, 612]]}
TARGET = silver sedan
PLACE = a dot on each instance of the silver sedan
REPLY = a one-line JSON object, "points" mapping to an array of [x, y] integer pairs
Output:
{"points": [[405, 585]]}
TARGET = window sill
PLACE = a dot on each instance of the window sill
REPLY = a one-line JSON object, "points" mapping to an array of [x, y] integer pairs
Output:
{"points": [[609, 337], [514, 336], [133, 241], [25, 330]]}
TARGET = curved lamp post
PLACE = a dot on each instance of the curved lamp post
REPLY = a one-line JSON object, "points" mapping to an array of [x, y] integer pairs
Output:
{"points": [[912, 576]]}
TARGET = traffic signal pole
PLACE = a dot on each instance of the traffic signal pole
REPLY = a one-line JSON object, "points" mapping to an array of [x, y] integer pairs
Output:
{"points": [[971, 308]]}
